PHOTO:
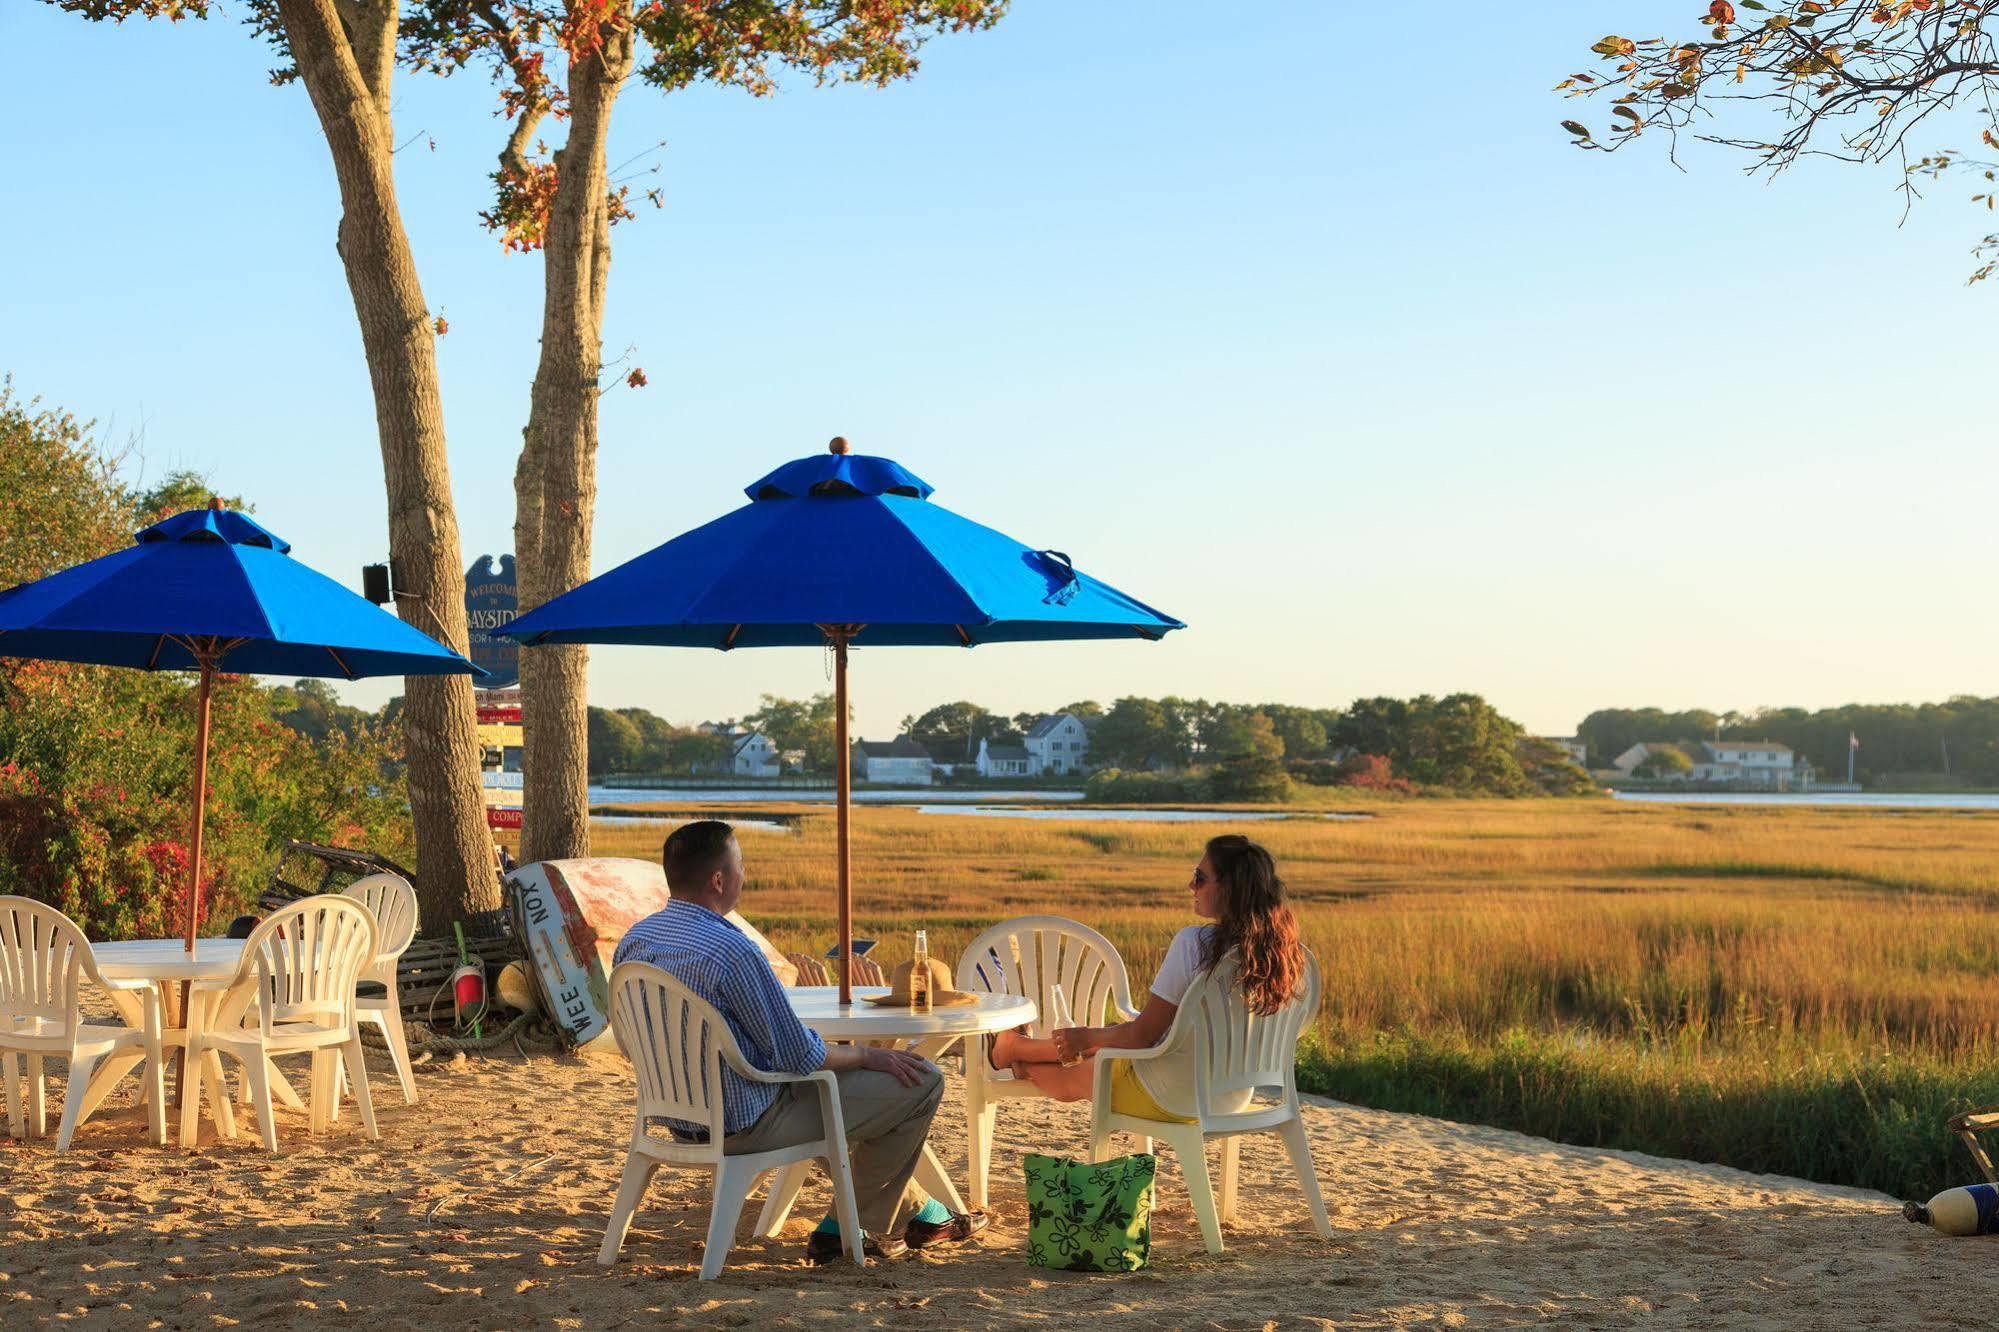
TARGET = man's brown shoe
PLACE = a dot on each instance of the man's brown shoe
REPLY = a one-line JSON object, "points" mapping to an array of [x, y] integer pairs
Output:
{"points": [[961, 1227], [824, 1247]]}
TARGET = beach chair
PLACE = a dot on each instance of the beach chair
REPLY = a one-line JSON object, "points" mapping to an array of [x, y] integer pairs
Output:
{"points": [[678, 1043], [1233, 1052], [44, 960], [815, 971], [1026, 956], [392, 902], [293, 993]]}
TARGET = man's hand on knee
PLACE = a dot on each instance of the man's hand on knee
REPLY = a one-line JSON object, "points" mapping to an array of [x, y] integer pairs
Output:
{"points": [[908, 1069]]}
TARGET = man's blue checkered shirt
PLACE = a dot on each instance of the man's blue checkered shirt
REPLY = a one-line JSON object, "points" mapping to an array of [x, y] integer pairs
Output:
{"points": [[718, 962]]}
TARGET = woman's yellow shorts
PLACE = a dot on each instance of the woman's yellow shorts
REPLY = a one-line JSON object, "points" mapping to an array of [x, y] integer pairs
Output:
{"points": [[1129, 1096]]}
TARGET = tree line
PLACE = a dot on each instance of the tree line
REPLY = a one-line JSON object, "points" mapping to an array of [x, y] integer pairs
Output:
{"points": [[1955, 742], [1172, 747]]}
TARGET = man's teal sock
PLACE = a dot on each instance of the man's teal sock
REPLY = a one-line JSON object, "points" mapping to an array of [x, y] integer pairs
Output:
{"points": [[932, 1213]]}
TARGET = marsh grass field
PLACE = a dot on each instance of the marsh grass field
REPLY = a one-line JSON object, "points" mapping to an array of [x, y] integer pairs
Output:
{"points": [[1805, 991]]}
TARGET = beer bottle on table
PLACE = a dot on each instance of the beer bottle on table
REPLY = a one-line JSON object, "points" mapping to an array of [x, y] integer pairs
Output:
{"points": [[919, 975]]}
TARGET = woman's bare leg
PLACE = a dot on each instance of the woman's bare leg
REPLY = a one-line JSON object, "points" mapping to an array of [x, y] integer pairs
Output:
{"points": [[1010, 1047], [1073, 1083]]}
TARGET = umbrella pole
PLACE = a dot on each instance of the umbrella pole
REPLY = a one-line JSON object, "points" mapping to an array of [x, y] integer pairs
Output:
{"points": [[207, 660], [844, 787]]}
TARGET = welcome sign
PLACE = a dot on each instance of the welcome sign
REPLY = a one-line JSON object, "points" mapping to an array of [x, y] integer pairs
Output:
{"points": [[491, 603]]}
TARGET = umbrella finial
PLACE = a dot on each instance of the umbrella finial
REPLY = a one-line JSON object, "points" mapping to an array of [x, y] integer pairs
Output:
{"points": [[837, 445], [215, 502]]}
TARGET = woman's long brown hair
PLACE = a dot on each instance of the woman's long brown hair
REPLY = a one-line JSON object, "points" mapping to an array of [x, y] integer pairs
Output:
{"points": [[1254, 924]]}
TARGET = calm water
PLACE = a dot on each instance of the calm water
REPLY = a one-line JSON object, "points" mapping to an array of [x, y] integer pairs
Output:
{"points": [[763, 795], [1129, 815], [1852, 799]]}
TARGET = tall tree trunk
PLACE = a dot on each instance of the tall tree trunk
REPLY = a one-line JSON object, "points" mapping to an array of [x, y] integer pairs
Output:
{"points": [[344, 50], [555, 485]]}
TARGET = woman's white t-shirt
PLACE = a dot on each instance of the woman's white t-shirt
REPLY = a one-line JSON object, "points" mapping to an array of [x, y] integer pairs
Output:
{"points": [[1170, 1078]]}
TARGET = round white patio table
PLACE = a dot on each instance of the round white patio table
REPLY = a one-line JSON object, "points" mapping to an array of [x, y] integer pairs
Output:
{"points": [[166, 963], [929, 1034]]}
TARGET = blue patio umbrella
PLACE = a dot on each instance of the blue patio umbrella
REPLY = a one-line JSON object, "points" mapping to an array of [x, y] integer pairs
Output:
{"points": [[841, 549], [211, 590]]}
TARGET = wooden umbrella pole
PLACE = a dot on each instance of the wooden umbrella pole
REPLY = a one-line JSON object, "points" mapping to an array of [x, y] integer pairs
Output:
{"points": [[844, 787], [207, 660], [200, 796]]}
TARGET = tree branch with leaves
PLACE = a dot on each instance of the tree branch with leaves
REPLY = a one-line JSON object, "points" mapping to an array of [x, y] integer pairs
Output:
{"points": [[1851, 80]]}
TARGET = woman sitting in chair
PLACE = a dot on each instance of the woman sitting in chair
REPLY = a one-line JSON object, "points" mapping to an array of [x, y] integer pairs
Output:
{"points": [[1235, 887]]}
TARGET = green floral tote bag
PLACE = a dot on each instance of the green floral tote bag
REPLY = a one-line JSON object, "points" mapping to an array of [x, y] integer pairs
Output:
{"points": [[1089, 1217]]}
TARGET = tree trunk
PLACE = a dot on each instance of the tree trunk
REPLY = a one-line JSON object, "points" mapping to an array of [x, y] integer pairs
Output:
{"points": [[343, 55], [555, 485]]}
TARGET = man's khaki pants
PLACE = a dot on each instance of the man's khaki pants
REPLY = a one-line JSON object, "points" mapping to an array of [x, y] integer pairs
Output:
{"points": [[886, 1126]]}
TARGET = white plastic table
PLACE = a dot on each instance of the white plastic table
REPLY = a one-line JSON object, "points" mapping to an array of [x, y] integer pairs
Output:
{"points": [[166, 963], [819, 1007]]}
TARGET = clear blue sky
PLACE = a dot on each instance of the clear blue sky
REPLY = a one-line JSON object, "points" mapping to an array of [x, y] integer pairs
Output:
{"points": [[1342, 356]]}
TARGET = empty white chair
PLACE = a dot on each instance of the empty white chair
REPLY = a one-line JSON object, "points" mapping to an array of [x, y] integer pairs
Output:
{"points": [[393, 904], [293, 993], [678, 1044], [44, 960], [1233, 1052], [1026, 956]]}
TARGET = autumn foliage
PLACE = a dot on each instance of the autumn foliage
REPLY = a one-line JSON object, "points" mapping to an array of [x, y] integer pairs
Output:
{"points": [[96, 762]]}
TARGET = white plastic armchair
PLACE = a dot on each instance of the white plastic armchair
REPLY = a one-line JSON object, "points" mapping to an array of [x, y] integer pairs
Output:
{"points": [[678, 1044], [44, 960], [293, 993], [1233, 1052], [1026, 956], [392, 902]]}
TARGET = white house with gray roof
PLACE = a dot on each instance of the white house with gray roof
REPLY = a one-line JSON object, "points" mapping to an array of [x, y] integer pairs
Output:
{"points": [[1760, 763], [1058, 745]]}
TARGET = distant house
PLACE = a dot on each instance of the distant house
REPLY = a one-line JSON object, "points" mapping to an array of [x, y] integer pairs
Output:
{"points": [[1058, 744], [1004, 760], [901, 761], [1755, 763], [750, 754], [1759, 763], [1574, 746]]}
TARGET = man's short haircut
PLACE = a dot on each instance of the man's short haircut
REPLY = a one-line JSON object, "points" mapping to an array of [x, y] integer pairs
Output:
{"points": [[693, 852]]}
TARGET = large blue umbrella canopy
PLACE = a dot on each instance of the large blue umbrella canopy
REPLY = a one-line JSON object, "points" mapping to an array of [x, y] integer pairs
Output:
{"points": [[835, 549], [849, 540], [211, 590], [213, 581]]}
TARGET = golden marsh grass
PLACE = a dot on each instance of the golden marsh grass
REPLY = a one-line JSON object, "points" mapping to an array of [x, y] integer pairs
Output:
{"points": [[1694, 980]]}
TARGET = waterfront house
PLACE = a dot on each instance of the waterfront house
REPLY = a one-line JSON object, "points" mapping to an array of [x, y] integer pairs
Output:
{"points": [[1057, 745], [1004, 760], [1763, 764], [750, 754], [901, 761]]}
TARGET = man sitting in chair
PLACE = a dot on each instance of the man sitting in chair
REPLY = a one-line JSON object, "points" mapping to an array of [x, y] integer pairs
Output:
{"points": [[887, 1097]]}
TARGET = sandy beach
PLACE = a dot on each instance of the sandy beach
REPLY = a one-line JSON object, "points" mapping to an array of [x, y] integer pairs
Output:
{"points": [[483, 1205]]}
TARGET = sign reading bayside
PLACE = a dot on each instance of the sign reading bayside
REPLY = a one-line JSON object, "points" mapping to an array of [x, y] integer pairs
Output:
{"points": [[491, 603]]}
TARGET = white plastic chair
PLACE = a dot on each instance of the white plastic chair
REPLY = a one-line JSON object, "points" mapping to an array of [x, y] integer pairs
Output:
{"points": [[293, 993], [44, 960], [392, 902], [678, 1044], [1025, 956], [1233, 1052]]}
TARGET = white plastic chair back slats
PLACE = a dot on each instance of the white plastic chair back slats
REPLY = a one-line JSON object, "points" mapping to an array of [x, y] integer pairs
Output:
{"points": [[674, 1039], [392, 902], [43, 959], [305, 961], [1028, 955], [1232, 1051], [1235, 1050]]}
